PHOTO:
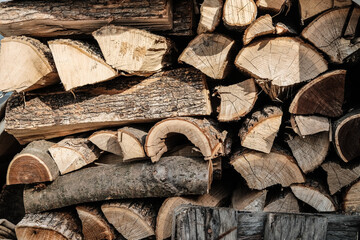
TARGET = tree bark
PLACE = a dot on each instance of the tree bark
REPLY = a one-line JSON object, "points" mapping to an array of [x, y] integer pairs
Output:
{"points": [[351, 199], [238, 14], [210, 15], [132, 141], [284, 202], [261, 26], [106, 140], [183, 19], [309, 125], [244, 199]]}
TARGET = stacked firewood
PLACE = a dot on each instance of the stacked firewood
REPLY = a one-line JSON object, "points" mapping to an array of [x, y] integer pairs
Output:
{"points": [[128, 109]]}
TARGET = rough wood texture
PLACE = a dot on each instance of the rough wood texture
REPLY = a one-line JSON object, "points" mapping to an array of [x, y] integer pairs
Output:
{"points": [[271, 5], [346, 138], [210, 53], [237, 100], [261, 170], [58, 18], [106, 140], [351, 199], [71, 154], [49, 226], [325, 32], [284, 202], [323, 95], [308, 125], [183, 19], [244, 199], [261, 26], [238, 14], [134, 51], [79, 63], [258, 132], [7, 229], [210, 15], [26, 64], [284, 29], [280, 63], [180, 92], [32, 165], [173, 176], [132, 141]]}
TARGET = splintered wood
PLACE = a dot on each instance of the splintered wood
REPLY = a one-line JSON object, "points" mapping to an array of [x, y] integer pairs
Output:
{"points": [[239, 13], [210, 15]]}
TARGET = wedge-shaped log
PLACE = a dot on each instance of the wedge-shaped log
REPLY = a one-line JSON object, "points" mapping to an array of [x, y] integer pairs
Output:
{"points": [[271, 5], [26, 64], [284, 202], [261, 26], [326, 33], [351, 199], [203, 133], [33, 165], [106, 140], [280, 63], [256, 167], [238, 14], [323, 95], [210, 15], [305, 125], [244, 199], [132, 140], [210, 53], [180, 92]]}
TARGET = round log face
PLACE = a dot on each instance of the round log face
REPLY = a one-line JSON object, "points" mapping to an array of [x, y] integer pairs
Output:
{"points": [[239, 13], [351, 200], [32, 233]]}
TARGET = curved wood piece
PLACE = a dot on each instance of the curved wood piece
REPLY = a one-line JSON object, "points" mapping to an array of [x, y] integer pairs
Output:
{"points": [[284, 202], [244, 199], [308, 125], [309, 9], [238, 14], [351, 199], [132, 141], [261, 26], [106, 140], [210, 15], [271, 5]]}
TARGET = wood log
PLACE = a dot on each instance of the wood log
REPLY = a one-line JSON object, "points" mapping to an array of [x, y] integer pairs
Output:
{"points": [[284, 202], [132, 141], [305, 125], [134, 51], [351, 200], [49, 226], [346, 137], [329, 38], [210, 53], [203, 133], [244, 199], [237, 100], [284, 29], [94, 225], [172, 176], [258, 132], [183, 19], [7, 229], [33, 165], [323, 95], [106, 140], [79, 63], [238, 14], [276, 70], [180, 92], [71, 154], [261, 170], [133, 219], [60, 18], [26, 64], [261, 26], [210, 15], [310, 151], [271, 5]]}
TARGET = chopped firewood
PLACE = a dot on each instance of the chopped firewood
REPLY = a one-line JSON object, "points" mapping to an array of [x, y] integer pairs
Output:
{"points": [[210, 53], [271, 5], [284, 202], [256, 167], [244, 199], [210, 11], [351, 199], [326, 33], [238, 14], [259, 131], [71, 154], [203, 133], [280, 63], [237, 100], [261, 26], [310, 151], [346, 137], [132, 141], [323, 95], [26, 64], [284, 29], [79, 63], [183, 19], [33, 165], [107, 141], [309, 125]]}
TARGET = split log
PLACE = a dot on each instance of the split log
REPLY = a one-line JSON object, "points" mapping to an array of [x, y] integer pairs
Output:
{"points": [[94, 225], [49, 226], [261, 26], [284, 202], [261, 170], [309, 125], [351, 199], [310, 151], [284, 29], [132, 141], [258, 132], [59, 18], [133, 219], [79, 63], [244, 199], [271, 5], [346, 138], [237, 100], [203, 133], [329, 38], [26, 64], [210, 53], [180, 92], [71, 154], [33, 165], [210, 15], [7, 229], [238, 14], [133, 50], [170, 177], [107, 141], [276, 70], [323, 95]]}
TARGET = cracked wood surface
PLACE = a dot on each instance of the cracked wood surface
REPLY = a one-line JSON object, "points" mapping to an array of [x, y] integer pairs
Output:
{"points": [[237, 14], [244, 199], [351, 199], [304, 125], [210, 15], [284, 202], [263, 25]]}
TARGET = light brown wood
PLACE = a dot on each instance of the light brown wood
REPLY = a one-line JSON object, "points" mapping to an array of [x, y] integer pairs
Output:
{"points": [[237, 100], [238, 14], [261, 26], [26, 64], [210, 53], [258, 132], [284, 29], [271, 5], [351, 199], [106, 140], [131, 140], [210, 15], [305, 125], [284, 202], [244, 199]]}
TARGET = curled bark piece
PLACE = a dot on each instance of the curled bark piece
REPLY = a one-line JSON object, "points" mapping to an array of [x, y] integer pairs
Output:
{"points": [[271, 5], [210, 15], [238, 14], [261, 26], [107, 141], [285, 202], [244, 199], [351, 199], [309, 125], [132, 140]]}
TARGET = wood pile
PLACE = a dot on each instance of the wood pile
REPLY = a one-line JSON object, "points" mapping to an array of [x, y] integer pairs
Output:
{"points": [[127, 110]]}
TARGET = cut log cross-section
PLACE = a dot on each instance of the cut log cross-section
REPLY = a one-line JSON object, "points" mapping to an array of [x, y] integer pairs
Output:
{"points": [[351, 199], [238, 14], [26, 64], [132, 141], [261, 26], [33, 165], [285, 202], [244, 199], [210, 15], [106, 140], [274, 6], [305, 125]]}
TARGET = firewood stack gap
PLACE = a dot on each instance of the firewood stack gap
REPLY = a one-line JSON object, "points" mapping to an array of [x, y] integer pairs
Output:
{"points": [[138, 119]]}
